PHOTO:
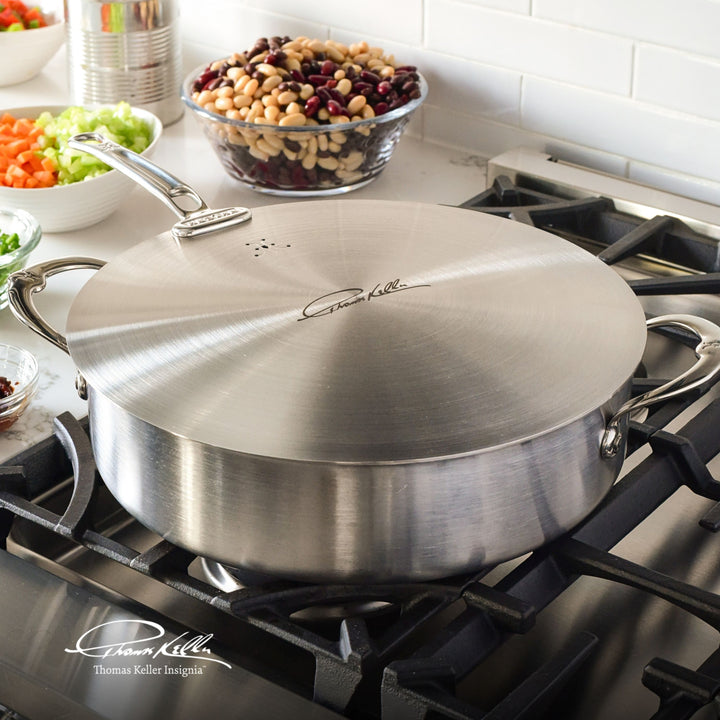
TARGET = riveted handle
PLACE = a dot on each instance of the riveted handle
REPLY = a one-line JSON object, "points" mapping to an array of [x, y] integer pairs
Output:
{"points": [[702, 375], [23, 284], [196, 220]]}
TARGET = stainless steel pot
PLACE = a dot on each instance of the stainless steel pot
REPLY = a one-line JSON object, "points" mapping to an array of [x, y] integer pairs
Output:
{"points": [[352, 390]]}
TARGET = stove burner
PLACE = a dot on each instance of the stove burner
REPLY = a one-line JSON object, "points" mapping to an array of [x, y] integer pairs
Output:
{"points": [[230, 579]]}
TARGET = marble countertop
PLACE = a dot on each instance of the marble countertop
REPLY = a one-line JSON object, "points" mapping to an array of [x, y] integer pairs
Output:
{"points": [[417, 171]]}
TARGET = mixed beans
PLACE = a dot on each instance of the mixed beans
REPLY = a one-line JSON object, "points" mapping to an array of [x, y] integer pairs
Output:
{"points": [[297, 85]]}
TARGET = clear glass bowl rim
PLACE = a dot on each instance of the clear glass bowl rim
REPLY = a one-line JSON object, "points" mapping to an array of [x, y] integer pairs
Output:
{"points": [[387, 117]]}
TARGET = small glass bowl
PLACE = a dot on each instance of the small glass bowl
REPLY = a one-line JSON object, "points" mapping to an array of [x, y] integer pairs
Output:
{"points": [[355, 152], [20, 369], [29, 232]]}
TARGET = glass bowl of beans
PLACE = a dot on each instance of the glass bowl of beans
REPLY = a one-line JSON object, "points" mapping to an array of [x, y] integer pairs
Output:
{"points": [[19, 235], [19, 376], [301, 117]]}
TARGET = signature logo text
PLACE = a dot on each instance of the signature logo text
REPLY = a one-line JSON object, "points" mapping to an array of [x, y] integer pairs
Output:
{"points": [[342, 299]]}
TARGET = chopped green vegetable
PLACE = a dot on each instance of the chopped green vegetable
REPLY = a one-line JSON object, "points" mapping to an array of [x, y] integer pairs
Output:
{"points": [[9, 242], [115, 123]]}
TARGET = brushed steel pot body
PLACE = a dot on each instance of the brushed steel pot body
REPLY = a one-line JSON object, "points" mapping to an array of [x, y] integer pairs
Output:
{"points": [[354, 390], [371, 522]]}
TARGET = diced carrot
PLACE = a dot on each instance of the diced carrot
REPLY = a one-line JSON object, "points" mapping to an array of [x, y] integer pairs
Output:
{"points": [[21, 160], [15, 147], [23, 126], [44, 178]]}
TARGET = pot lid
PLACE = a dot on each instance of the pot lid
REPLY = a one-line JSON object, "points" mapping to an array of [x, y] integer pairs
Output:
{"points": [[358, 331]]}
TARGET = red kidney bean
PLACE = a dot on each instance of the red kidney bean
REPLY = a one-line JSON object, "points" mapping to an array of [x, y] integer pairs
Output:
{"points": [[324, 94], [204, 80], [334, 107], [213, 84], [384, 87], [312, 105], [336, 95], [398, 79], [370, 76], [328, 68], [317, 79]]}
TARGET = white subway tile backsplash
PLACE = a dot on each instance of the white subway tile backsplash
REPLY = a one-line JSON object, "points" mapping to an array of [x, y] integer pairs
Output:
{"points": [[677, 80], [520, 6], [622, 126], [488, 138], [529, 45], [241, 25], [691, 25], [400, 20], [467, 132], [485, 91]]}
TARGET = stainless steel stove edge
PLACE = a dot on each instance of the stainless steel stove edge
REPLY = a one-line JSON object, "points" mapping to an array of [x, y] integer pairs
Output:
{"points": [[43, 677], [522, 164]]}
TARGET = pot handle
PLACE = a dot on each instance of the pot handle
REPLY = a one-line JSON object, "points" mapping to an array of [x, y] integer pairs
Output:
{"points": [[23, 284], [197, 220], [701, 375]]}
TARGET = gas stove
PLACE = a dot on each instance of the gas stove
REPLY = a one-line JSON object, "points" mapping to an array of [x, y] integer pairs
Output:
{"points": [[618, 618]]}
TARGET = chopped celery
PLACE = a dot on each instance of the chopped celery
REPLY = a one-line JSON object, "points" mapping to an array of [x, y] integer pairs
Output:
{"points": [[115, 123]]}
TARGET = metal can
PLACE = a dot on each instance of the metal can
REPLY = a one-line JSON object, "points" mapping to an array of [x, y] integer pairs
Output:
{"points": [[125, 50]]}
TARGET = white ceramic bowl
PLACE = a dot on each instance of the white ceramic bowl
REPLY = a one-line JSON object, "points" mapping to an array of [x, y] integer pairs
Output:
{"points": [[78, 205], [25, 53]]}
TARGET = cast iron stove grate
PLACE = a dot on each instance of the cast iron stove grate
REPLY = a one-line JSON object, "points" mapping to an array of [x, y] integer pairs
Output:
{"points": [[361, 674], [616, 235]]}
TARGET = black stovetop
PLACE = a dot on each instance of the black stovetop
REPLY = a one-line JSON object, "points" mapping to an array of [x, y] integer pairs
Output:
{"points": [[463, 647]]}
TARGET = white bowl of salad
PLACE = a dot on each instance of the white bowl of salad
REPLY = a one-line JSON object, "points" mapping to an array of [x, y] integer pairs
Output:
{"points": [[67, 189], [29, 36]]}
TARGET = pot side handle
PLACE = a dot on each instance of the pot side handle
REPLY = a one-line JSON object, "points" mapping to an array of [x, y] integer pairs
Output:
{"points": [[23, 284], [702, 375]]}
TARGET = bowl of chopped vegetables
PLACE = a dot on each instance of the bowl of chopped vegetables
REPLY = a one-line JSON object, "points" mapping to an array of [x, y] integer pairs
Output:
{"points": [[63, 188], [19, 235], [29, 37], [19, 376]]}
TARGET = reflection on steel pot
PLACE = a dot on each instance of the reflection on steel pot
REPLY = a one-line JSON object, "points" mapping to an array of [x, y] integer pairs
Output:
{"points": [[356, 390]]}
